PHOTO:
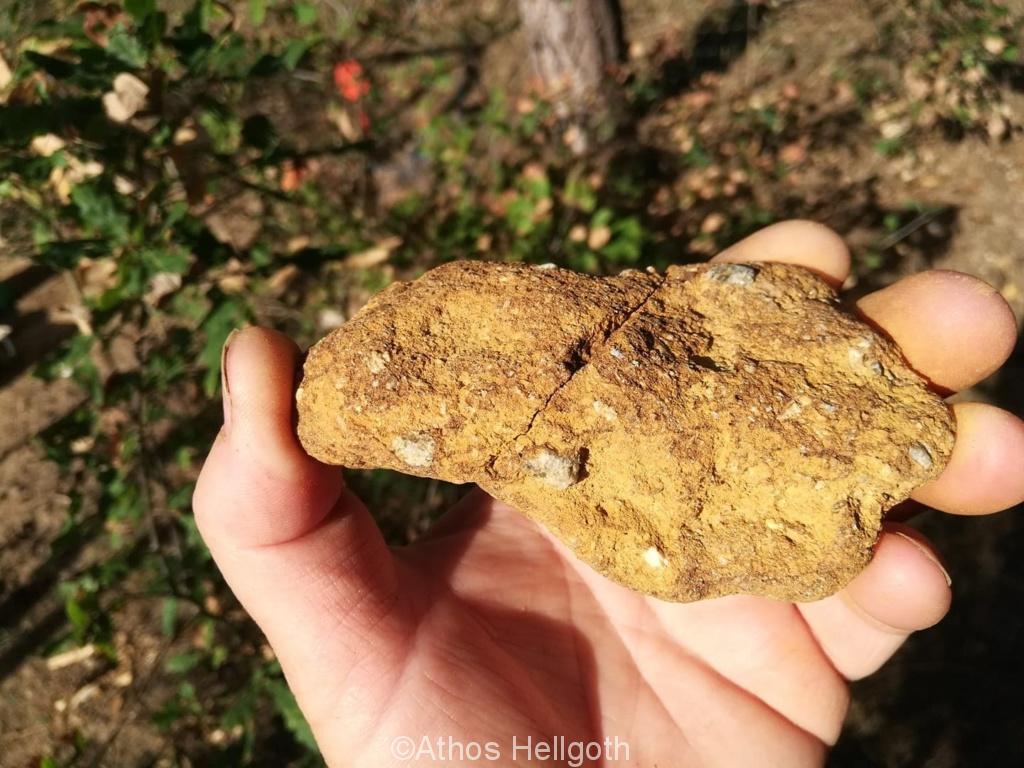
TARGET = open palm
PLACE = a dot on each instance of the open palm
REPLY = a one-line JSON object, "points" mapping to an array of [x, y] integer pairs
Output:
{"points": [[488, 642]]}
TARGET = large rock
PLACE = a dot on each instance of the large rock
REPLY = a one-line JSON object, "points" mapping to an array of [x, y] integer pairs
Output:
{"points": [[722, 429]]}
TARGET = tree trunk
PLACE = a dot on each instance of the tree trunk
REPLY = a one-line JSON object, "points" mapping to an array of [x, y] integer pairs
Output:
{"points": [[575, 45]]}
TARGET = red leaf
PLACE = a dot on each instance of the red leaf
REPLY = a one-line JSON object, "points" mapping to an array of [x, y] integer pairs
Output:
{"points": [[349, 80]]}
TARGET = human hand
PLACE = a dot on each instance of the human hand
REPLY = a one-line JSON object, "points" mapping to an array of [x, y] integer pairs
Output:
{"points": [[489, 630]]}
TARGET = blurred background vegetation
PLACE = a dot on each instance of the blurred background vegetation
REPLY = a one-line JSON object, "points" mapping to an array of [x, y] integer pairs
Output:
{"points": [[173, 169]]}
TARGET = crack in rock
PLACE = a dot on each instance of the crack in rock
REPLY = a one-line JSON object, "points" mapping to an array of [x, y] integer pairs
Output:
{"points": [[591, 349]]}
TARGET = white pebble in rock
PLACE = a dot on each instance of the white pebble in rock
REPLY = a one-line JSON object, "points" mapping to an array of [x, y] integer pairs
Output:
{"points": [[557, 471], [921, 455], [654, 558], [416, 450], [732, 274]]}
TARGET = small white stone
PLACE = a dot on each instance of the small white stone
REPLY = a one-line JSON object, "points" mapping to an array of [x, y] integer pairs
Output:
{"points": [[921, 455], [416, 450], [616, 353], [792, 410], [377, 361], [605, 411], [557, 471], [732, 274], [654, 558]]}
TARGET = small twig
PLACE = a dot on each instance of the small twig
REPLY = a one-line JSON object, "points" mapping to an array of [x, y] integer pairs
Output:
{"points": [[908, 229]]}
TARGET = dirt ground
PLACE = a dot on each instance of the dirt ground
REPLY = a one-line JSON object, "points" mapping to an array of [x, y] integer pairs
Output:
{"points": [[949, 698]]}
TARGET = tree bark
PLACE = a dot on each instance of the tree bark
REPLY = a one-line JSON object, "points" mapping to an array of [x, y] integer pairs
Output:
{"points": [[575, 46]]}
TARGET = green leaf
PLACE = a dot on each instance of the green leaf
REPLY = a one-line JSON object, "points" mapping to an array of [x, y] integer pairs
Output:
{"points": [[601, 218], [230, 58], [183, 662], [294, 52], [218, 325], [78, 617], [139, 9], [182, 497], [172, 259], [627, 241], [305, 13], [579, 194], [218, 655], [224, 128], [126, 48], [258, 11], [520, 215], [98, 211], [284, 703], [64, 254], [190, 303], [169, 616]]}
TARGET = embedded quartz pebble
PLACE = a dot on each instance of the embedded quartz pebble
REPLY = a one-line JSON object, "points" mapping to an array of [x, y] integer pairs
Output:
{"points": [[721, 429]]}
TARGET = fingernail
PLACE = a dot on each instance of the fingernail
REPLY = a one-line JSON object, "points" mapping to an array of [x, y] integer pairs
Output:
{"points": [[927, 553], [225, 388]]}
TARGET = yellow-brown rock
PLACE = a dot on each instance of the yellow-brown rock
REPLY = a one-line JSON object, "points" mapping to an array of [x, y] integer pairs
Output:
{"points": [[721, 429]]}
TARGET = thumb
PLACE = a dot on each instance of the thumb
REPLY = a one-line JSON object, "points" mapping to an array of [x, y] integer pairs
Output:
{"points": [[300, 552], [258, 487]]}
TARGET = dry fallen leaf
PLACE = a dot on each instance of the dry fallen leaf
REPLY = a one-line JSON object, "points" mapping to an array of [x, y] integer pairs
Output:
{"points": [[6, 76], [238, 222], [371, 257], [127, 98], [124, 186], [713, 223], [793, 154], [47, 47], [233, 284], [96, 276], [184, 135], [994, 44], [64, 179], [342, 120], [160, 285], [74, 656], [598, 238], [281, 280], [46, 145]]}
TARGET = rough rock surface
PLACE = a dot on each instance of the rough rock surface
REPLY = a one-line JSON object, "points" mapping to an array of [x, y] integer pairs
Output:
{"points": [[721, 429]]}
